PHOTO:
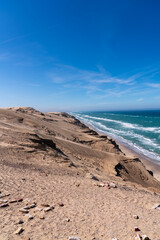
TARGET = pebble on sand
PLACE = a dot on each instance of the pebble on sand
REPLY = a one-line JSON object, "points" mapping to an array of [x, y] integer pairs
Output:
{"points": [[19, 231], [48, 209], [4, 205], [136, 229], [156, 206], [74, 238], [20, 221], [42, 217], [45, 205], [23, 210], [29, 216], [60, 204]]}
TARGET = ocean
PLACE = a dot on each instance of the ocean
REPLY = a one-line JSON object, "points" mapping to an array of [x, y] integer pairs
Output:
{"points": [[137, 130]]}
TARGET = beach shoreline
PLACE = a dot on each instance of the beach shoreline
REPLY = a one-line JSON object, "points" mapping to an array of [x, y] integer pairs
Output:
{"points": [[149, 163]]}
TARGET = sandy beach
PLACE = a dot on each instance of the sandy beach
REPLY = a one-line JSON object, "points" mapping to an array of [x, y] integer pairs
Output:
{"points": [[59, 178]]}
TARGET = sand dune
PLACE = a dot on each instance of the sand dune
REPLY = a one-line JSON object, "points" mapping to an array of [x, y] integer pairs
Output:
{"points": [[46, 158]]}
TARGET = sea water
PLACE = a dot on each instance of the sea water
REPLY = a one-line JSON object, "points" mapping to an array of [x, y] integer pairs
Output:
{"points": [[137, 130]]}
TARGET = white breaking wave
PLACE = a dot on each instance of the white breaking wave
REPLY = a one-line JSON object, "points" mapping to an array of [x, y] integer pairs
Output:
{"points": [[117, 134], [125, 124]]}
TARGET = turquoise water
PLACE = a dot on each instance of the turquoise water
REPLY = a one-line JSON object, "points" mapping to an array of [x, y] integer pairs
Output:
{"points": [[138, 130]]}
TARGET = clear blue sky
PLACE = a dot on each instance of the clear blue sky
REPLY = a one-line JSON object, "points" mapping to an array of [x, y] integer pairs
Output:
{"points": [[68, 55]]}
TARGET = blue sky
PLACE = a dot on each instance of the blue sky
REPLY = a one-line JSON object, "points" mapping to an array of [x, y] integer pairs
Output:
{"points": [[74, 55]]}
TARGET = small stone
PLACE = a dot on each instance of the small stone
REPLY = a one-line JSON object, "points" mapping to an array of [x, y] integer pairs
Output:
{"points": [[135, 216], [19, 231], [20, 200], [29, 216], [114, 238], [4, 205], [77, 184], [60, 204], [23, 210], [5, 195], [68, 220], [112, 185], [20, 221], [42, 217], [3, 201], [12, 201], [74, 238], [156, 206], [136, 229], [23, 179], [26, 207], [101, 185], [48, 209], [45, 205], [32, 205]]}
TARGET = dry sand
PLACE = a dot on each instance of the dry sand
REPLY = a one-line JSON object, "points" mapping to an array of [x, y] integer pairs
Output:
{"points": [[46, 158]]}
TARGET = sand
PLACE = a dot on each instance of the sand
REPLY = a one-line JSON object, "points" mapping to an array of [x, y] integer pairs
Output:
{"points": [[46, 158]]}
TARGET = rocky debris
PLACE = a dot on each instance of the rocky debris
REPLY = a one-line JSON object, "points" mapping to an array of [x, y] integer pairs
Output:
{"points": [[45, 204], [136, 229], [60, 204], [112, 185], [30, 206], [74, 238], [156, 206], [135, 216], [20, 200], [23, 210], [105, 184], [16, 200], [41, 216], [3, 201], [19, 231], [101, 185], [68, 220], [4, 205], [20, 221], [12, 201], [5, 195], [48, 209], [29, 216], [91, 176], [77, 184]]}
